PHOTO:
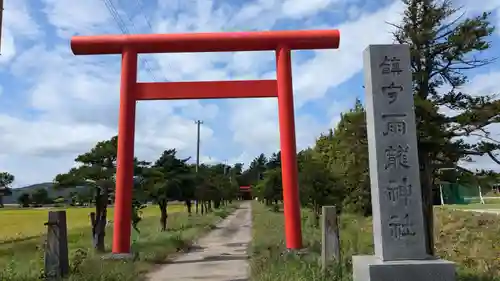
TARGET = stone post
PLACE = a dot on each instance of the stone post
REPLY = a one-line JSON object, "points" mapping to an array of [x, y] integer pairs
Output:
{"points": [[398, 222], [330, 238], [56, 249]]}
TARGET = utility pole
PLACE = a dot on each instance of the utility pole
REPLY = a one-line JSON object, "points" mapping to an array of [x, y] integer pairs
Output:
{"points": [[226, 168], [198, 123], [1, 24]]}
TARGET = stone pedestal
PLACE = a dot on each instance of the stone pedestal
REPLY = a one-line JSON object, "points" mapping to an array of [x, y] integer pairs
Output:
{"points": [[370, 268]]}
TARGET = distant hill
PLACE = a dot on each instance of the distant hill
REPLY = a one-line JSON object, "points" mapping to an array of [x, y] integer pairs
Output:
{"points": [[53, 193]]}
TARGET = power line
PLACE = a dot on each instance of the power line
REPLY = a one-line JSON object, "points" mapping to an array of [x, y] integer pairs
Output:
{"points": [[1, 24], [117, 18], [123, 27], [140, 5], [131, 20]]}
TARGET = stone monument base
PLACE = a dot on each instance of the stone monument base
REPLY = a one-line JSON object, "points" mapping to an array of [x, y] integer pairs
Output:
{"points": [[371, 268]]}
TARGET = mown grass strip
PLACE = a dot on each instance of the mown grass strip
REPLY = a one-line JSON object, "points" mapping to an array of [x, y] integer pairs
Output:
{"points": [[470, 239]]}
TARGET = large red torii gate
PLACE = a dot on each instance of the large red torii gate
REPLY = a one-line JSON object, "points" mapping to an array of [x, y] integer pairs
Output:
{"points": [[129, 46]]}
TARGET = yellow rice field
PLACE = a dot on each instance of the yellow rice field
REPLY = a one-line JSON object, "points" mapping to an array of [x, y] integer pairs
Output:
{"points": [[25, 223]]}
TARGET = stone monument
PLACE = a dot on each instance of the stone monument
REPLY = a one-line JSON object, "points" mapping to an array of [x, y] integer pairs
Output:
{"points": [[398, 222]]}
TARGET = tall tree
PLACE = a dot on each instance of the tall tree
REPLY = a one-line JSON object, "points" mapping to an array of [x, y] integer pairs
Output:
{"points": [[97, 170], [168, 176], [24, 200], [40, 197], [236, 174], [164, 186], [140, 195], [274, 161], [256, 169], [444, 46], [237, 168], [318, 187], [347, 157], [214, 186], [270, 187], [6, 181]]}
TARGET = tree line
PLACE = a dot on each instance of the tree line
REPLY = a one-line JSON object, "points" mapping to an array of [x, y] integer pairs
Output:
{"points": [[168, 178], [453, 123]]}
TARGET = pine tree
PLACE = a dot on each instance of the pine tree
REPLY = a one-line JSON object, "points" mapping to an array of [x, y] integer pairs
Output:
{"points": [[444, 46]]}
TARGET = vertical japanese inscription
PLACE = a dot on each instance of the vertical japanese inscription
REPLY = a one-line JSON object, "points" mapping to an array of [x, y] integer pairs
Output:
{"points": [[396, 155], [390, 65], [396, 162], [398, 219], [399, 191], [401, 226], [395, 128], [392, 91]]}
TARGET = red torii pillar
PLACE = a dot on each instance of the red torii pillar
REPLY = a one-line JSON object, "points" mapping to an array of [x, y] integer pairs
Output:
{"points": [[129, 46]]}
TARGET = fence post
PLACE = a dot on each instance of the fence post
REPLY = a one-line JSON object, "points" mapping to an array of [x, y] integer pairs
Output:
{"points": [[330, 239], [56, 249]]}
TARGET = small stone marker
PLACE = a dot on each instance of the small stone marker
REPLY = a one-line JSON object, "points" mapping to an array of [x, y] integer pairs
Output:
{"points": [[398, 222], [330, 241], [56, 250]]}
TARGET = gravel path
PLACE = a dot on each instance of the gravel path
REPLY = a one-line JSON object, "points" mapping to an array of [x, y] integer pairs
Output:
{"points": [[219, 256]]}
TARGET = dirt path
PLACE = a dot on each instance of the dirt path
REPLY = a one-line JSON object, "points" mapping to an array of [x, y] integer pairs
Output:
{"points": [[219, 256]]}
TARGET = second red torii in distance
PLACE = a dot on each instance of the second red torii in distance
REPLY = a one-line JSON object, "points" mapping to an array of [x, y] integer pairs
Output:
{"points": [[129, 46]]}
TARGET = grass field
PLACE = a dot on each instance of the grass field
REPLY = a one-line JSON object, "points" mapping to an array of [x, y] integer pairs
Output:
{"points": [[470, 239], [24, 223], [23, 260], [475, 206]]}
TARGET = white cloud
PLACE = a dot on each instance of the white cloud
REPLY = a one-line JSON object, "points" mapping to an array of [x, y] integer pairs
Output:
{"points": [[8, 48], [75, 99], [255, 126], [18, 19], [45, 137], [255, 123], [479, 85], [303, 8], [332, 68], [484, 84], [77, 17], [17, 25]]}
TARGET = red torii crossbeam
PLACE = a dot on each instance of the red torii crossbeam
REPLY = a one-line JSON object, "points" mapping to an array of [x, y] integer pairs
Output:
{"points": [[129, 46]]}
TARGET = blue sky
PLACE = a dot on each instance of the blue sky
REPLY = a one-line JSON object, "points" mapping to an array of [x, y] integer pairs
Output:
{"points": [[54, 105]]}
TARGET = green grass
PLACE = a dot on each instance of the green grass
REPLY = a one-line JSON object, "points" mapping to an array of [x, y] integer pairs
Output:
{"points": [[469, 239], [478, 206], [24, 223], [492, 201], [489, 200], [23, 260]]}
